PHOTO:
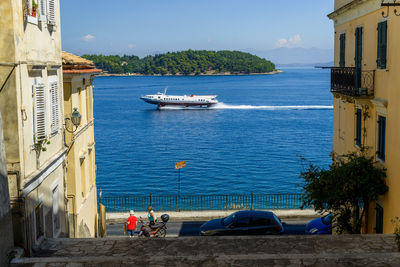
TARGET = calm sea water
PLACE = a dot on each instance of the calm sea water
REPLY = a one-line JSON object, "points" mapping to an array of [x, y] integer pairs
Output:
{"points": [[252, 141]]}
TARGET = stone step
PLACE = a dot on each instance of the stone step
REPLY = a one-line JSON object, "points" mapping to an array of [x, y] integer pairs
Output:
{"points": [[347, 259], [376, 250]]}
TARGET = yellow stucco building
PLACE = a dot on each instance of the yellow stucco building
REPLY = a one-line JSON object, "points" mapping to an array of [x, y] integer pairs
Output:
{"points": [[364, 83], [32, 109], [81, 172]]}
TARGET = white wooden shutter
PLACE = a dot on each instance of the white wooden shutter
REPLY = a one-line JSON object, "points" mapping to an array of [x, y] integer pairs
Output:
{"points": [[40, 111], [51, 12], [54, 107], [43, 10]]}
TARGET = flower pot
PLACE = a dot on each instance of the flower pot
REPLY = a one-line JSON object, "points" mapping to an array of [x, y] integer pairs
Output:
{"points": [[33, 13]]}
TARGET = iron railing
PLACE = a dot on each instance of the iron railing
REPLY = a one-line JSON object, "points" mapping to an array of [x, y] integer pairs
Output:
{"points": [[352, 81], [202, 202]]}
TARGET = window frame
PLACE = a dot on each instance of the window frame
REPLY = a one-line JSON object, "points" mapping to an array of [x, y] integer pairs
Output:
{"points": [[41, 223]]}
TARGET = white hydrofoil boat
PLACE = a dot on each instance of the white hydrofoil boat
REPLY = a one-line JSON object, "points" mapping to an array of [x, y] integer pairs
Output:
{"points": [[162, 100]]}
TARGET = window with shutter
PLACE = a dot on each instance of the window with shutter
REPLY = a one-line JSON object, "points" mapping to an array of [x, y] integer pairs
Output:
{"points": [[43, 10], [379, 219], [51, 12], [358, 56], [381, 137], [342, 50], [382, 45], [54, 108], [359, 47], [40, 111]]}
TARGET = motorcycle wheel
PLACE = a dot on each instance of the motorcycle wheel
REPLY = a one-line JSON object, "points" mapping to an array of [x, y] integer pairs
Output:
{"points": [[161, 233]]}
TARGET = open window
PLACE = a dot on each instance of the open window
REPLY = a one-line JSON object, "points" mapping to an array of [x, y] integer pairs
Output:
{"points": [[39, 221]]}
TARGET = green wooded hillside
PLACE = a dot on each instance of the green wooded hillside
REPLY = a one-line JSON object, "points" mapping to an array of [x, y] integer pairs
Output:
{"points": [[185, 62]]}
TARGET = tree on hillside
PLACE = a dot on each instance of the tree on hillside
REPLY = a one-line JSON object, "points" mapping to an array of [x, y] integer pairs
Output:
{"points": [[345, 189], [184, 62]]}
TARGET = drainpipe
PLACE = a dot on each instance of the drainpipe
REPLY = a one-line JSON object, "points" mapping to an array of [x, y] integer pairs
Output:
{"points": [[65, 166]]}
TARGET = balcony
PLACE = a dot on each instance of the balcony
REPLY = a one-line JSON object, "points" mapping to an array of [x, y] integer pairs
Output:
{"points": [[352, 82]]}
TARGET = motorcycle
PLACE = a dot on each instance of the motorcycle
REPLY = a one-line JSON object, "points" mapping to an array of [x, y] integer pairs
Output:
{"points": [[155, 230]]}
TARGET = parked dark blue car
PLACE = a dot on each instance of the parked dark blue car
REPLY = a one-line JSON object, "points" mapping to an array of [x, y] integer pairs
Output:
{"points": [[247, 222], [320, 226]]}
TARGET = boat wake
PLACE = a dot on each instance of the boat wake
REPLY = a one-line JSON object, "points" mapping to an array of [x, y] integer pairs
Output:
{"points": [[222, 105]]}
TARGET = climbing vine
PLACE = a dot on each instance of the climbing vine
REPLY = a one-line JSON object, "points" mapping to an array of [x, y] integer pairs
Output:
{"points": [[40, 144]]}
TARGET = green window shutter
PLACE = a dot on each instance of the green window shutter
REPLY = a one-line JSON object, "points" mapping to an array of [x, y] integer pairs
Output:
{"points": [[358, 57], [358, 52], [342, 50], [378, 59], [382, 45], [381, 137]]}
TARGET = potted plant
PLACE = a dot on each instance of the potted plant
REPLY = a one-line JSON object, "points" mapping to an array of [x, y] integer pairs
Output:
{"points": [[396, 224], [34, 8]]}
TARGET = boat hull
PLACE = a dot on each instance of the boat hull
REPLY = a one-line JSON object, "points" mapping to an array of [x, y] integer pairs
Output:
{"points": [[162, 100]]}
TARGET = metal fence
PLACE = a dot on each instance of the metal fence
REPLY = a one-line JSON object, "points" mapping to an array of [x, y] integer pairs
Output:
{"points": [[202, 202]]}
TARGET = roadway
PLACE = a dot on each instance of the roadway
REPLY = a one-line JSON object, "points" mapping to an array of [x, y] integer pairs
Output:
{"points": [[191, 228]]}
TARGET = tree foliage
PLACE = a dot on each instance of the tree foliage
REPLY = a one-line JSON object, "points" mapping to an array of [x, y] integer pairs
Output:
{"points": [[190, 62], [346, 189]]}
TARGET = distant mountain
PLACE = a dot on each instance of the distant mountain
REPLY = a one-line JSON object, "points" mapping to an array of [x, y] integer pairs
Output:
{"points": [[305, 56], [298, 65]]}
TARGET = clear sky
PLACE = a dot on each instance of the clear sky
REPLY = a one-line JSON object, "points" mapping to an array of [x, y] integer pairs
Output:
{"points": [[147, 27]]}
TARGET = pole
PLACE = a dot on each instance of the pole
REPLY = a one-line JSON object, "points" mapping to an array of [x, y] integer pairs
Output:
{"points": [[179, 189]]}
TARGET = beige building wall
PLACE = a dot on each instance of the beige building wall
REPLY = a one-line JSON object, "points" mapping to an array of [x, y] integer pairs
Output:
{"points": [[81, 174], [32, 59], [385, 102], [340, 3]]}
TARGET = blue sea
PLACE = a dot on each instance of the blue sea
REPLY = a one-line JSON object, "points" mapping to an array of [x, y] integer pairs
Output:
{"points": [[253, 141]]}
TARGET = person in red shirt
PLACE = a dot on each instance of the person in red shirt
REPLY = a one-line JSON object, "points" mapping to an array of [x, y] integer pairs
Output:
{"points": [[131, 224]]}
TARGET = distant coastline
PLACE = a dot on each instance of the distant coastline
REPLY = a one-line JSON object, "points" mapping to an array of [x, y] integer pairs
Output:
{"points": [[189, 62], [178, 74]]}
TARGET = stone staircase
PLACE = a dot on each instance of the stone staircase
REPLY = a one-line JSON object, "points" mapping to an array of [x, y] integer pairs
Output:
{"points": [[343, 250]]}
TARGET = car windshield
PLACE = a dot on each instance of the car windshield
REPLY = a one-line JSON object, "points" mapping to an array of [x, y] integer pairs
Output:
{"points": [[276, 218], [327, 220], [228, 220]]}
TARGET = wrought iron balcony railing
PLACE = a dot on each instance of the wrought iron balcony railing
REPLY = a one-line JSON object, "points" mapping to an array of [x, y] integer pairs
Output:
{"points": [[352, 81]]}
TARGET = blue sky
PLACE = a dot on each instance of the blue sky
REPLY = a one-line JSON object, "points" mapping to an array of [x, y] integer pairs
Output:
{"points": [[148, 27]]}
